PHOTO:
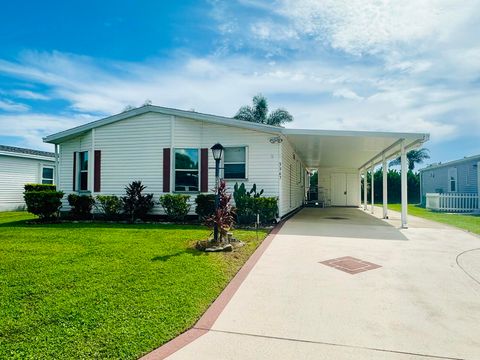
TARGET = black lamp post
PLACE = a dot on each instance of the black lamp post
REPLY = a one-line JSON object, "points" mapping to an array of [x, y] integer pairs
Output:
{"points": [[217, 151]]}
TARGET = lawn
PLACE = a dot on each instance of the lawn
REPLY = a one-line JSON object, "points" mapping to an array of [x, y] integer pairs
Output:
{"points": [[100, 290], [463, 221]]}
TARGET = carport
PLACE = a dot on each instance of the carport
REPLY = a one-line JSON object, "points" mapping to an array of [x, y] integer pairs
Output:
{"points": [[355, 153]]}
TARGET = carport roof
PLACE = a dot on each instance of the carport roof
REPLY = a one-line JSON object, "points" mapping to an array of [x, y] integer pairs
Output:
{"points": [[349, 149]]}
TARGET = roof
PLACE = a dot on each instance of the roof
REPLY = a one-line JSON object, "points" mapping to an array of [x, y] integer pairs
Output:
{"points": [[355, 149], [26, 153], [450, 163], [215, 119]]}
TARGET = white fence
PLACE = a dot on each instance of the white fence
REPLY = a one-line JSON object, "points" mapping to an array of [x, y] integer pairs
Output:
{"points": [[453, 202]]}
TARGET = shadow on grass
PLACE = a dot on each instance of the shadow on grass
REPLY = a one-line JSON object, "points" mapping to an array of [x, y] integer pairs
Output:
{"points": [[29, 224], [190, 251]]}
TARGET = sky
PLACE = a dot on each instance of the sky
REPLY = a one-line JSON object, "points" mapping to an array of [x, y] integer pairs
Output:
{"points": [[409, 66]]}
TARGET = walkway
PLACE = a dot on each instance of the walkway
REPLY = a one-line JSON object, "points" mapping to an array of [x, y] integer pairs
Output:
{"points": [[419, 304]]}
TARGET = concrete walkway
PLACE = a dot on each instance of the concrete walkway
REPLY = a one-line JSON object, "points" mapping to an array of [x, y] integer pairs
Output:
{"points": [[419, 304]]}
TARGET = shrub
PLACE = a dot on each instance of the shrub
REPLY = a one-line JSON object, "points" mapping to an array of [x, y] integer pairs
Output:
{"points": [[45, 204], [136, 204], [205, 205], [175, 205], [109, 205], [40, 187], [81, 205], [267, 209], [224, 216], [250, 203]]}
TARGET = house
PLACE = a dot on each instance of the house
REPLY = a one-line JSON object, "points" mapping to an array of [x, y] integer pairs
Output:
{"points": [[451, 186], [168, 150], [19, 166]]}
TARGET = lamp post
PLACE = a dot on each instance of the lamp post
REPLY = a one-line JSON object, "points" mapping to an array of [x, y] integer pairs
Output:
{"points": [[217, 151]]}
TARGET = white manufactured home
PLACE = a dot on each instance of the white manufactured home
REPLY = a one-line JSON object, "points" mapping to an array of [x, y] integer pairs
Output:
{"points": [[19, 166], [168, 150]]}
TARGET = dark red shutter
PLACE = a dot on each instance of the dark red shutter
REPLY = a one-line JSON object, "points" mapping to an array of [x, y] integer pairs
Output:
{"points": [[97, 171], [166, 170], [204, 170], [74, 170]]}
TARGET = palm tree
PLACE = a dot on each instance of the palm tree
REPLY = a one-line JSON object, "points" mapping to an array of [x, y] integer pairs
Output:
{"points": [[258, 113], [413, 157]]}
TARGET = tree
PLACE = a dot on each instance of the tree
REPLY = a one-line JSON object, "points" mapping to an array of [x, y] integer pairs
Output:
{"points": [[413, 157], [258, 113]]}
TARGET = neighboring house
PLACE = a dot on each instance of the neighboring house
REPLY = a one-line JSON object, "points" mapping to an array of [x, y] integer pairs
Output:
{"points": [[18, 167], [458, 180], [169, 151]]}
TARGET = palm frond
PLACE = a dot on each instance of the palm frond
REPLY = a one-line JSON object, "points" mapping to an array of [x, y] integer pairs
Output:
{"points": [[245, 113], [260, 108], [279, 117]]}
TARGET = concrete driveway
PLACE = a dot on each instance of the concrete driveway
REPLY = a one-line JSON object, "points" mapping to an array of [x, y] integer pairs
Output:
{"points": [[419, 304]]}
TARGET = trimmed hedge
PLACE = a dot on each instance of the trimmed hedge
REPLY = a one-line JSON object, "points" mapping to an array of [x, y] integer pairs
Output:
{"points": [[175, 205], [267, 208], [81, 205], [205, 205], [109, 205], [44, 204], [40, 187]]}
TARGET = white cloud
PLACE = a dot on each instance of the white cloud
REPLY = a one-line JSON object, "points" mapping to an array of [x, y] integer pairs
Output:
{"points": [[27, 94], [8, 105]]}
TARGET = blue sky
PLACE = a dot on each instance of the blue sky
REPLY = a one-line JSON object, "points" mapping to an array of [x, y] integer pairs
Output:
{"points": [[334, 64]]}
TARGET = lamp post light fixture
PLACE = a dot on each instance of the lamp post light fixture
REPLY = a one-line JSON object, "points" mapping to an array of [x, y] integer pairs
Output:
{"points": [[217, 151]]}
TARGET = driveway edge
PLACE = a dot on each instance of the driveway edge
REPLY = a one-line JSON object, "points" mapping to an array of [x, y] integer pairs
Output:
{"points": [[205, 323]]}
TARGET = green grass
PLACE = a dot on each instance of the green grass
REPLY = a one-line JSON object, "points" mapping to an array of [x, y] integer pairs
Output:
{"points": [[105, 291], [462, 221]]}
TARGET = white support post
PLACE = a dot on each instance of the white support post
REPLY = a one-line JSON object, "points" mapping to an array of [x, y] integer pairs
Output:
{"points": [[91, 163], [360, 188], [385, 187], [365, 185], [404, 170], [372, 189], [55, 171]]}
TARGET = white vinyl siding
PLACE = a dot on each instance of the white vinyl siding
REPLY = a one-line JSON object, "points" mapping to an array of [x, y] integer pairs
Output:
{"points": [[15, 172], [132, 149], [292, 193]]}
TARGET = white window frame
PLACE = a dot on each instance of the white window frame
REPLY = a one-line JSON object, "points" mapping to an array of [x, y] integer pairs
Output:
{"points": [[452, 172], [174, 170], [80, 171], [235, 163], [43, 178]]}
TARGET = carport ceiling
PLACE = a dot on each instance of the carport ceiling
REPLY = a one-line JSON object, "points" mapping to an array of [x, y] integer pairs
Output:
{"points": [[347, 149]]}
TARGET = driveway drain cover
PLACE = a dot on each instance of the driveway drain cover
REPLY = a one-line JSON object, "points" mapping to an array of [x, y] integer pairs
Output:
{"points": [[335, 218], [350, 264]]}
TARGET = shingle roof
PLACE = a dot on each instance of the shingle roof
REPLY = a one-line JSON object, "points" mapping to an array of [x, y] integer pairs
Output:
{"points": [[14, 149]]}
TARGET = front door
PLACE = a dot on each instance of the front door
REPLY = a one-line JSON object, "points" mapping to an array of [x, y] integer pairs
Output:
{"points": [[344, 189], [339, 189]]}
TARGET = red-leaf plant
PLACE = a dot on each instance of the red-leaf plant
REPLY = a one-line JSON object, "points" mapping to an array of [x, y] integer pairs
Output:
{"points": [[224, 216]]}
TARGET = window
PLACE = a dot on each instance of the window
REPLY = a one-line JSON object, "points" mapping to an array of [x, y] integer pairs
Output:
{"points": [[186, 170], [452, 179], [235, 163], [47, 175], [83, 171]]}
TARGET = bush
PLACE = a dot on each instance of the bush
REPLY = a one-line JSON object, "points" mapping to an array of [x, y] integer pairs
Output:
{"points": [[109, 205], [135, 204], [81, 205], [205, 205], [250, 203], [267, 209], [175, 205], [45, 204], [40, 187], [224, 217]]}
